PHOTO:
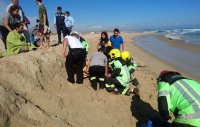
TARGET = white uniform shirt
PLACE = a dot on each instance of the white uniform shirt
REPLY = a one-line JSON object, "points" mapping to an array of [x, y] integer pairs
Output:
{"points": [[73, 42]]}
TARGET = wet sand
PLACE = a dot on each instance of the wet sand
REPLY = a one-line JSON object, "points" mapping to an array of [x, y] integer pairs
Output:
{"points": [[182, 56]]}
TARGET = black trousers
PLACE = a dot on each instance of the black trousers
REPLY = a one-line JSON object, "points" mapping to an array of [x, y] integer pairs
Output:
{"points": [[97, 74], [4, 33], [68, 30], [59, 30], [117, 84], [180, 125], [75, 58]]}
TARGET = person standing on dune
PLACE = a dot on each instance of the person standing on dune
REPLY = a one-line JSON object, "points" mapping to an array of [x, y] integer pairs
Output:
{"points": [[44, 24], [117, 41]]}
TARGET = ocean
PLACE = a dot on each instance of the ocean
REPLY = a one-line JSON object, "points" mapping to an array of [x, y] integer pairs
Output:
{"points": [[185, 60], [191, 36]]}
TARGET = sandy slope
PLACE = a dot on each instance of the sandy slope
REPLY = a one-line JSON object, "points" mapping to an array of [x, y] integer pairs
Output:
{"points": [[34, 92]]}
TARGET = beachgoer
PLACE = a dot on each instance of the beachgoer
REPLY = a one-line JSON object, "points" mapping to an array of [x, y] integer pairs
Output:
{"points": [[59, 22], [8, 21], [43, 25], [180, 96], [117, 40], [104, 41], [98, 69], [131, 64], [69, 22], [23, 18], [16, 41], [75, 55], [118, 80]]}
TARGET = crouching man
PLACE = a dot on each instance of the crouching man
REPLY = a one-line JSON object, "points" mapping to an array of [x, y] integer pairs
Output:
{"points": [[180, 96]]}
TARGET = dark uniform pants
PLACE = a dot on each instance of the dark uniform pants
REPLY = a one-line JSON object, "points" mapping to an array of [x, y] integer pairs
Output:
{"points": [[97, 74], [75, 58], [68, 30], [4, 33], [59, 30]]}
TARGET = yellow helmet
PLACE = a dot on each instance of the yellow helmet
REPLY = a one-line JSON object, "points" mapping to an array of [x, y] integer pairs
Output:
{"points": [[125, 55], [114, 53]]}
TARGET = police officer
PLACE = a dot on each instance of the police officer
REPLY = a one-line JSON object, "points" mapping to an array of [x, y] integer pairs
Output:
{"points": [[75, 55], [180, 96], [59, 22]]}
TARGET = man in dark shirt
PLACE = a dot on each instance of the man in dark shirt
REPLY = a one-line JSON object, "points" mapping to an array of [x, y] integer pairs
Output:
{"points": [[59, 22]]}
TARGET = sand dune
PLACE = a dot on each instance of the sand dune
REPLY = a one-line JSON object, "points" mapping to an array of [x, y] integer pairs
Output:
{"points": [[34, 92]]}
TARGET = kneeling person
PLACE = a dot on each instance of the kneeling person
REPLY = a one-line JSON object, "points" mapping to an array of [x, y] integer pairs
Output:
{"points": [[130, 63], [180, 96], [98, 68], [119, 80]]}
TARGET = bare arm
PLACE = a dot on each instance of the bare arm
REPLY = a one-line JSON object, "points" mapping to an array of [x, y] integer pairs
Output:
{"points": [[65, 47], [6, 25], [122, 47]]}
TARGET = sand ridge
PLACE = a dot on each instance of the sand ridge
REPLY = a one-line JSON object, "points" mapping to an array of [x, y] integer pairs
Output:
{"points": [[34, 92]]}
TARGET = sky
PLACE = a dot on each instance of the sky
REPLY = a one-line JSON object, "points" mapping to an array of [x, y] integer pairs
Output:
{"points": [[97, 15]]}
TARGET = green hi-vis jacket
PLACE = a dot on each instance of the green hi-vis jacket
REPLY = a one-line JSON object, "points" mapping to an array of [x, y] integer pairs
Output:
{"points": [[131, 64], [85, 44], [15, 43], [182, 96], [124, 76]]}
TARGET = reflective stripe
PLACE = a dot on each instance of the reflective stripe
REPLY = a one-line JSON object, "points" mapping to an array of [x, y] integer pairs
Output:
{"points": [[164, 92], [190, 116], [92, 78], [125, 90], [187, 96], [189, 88], [101, 79], [110, 86], [127, 72]]}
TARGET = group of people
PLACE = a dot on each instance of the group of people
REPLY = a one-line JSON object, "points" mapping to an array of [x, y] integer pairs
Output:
{"points": [[114, 69], [111, 66], [14, 29], [14, 18]]}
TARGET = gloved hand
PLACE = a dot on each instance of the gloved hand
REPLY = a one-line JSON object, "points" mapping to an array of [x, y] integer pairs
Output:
{"points": [[45, 29]]}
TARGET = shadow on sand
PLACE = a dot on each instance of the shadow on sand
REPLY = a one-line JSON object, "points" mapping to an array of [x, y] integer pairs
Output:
{"points": [[142, 111]]}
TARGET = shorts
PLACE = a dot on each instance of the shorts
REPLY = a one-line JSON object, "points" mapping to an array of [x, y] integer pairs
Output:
{"points": [[41, 29]]}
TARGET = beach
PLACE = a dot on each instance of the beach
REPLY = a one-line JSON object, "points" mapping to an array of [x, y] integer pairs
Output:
{"points": [[34, 90]]}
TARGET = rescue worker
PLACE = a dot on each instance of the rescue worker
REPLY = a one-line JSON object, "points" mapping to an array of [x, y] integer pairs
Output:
{"points": [[59, 22], [85, 45], [75, 56], [131, 64], [98, 69], [118, 80], [180, 96]]}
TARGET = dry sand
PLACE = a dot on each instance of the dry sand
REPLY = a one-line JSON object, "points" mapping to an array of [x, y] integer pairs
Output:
{"points": [[34, 91]]}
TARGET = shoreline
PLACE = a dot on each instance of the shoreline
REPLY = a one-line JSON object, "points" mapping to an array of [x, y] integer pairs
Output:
{"points": [[157, 64]]}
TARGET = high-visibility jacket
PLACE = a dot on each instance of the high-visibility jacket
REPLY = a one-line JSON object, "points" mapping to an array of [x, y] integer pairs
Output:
{"points": [[182, 96], [124, 76]]}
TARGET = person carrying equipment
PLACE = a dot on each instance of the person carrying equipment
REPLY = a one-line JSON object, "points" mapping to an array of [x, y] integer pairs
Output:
{"points": [[130, 63], [180, 96], [118, 81]]}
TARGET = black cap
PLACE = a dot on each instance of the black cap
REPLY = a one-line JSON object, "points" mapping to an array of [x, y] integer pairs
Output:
{"points": [[59, 8], [116, 30]]}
